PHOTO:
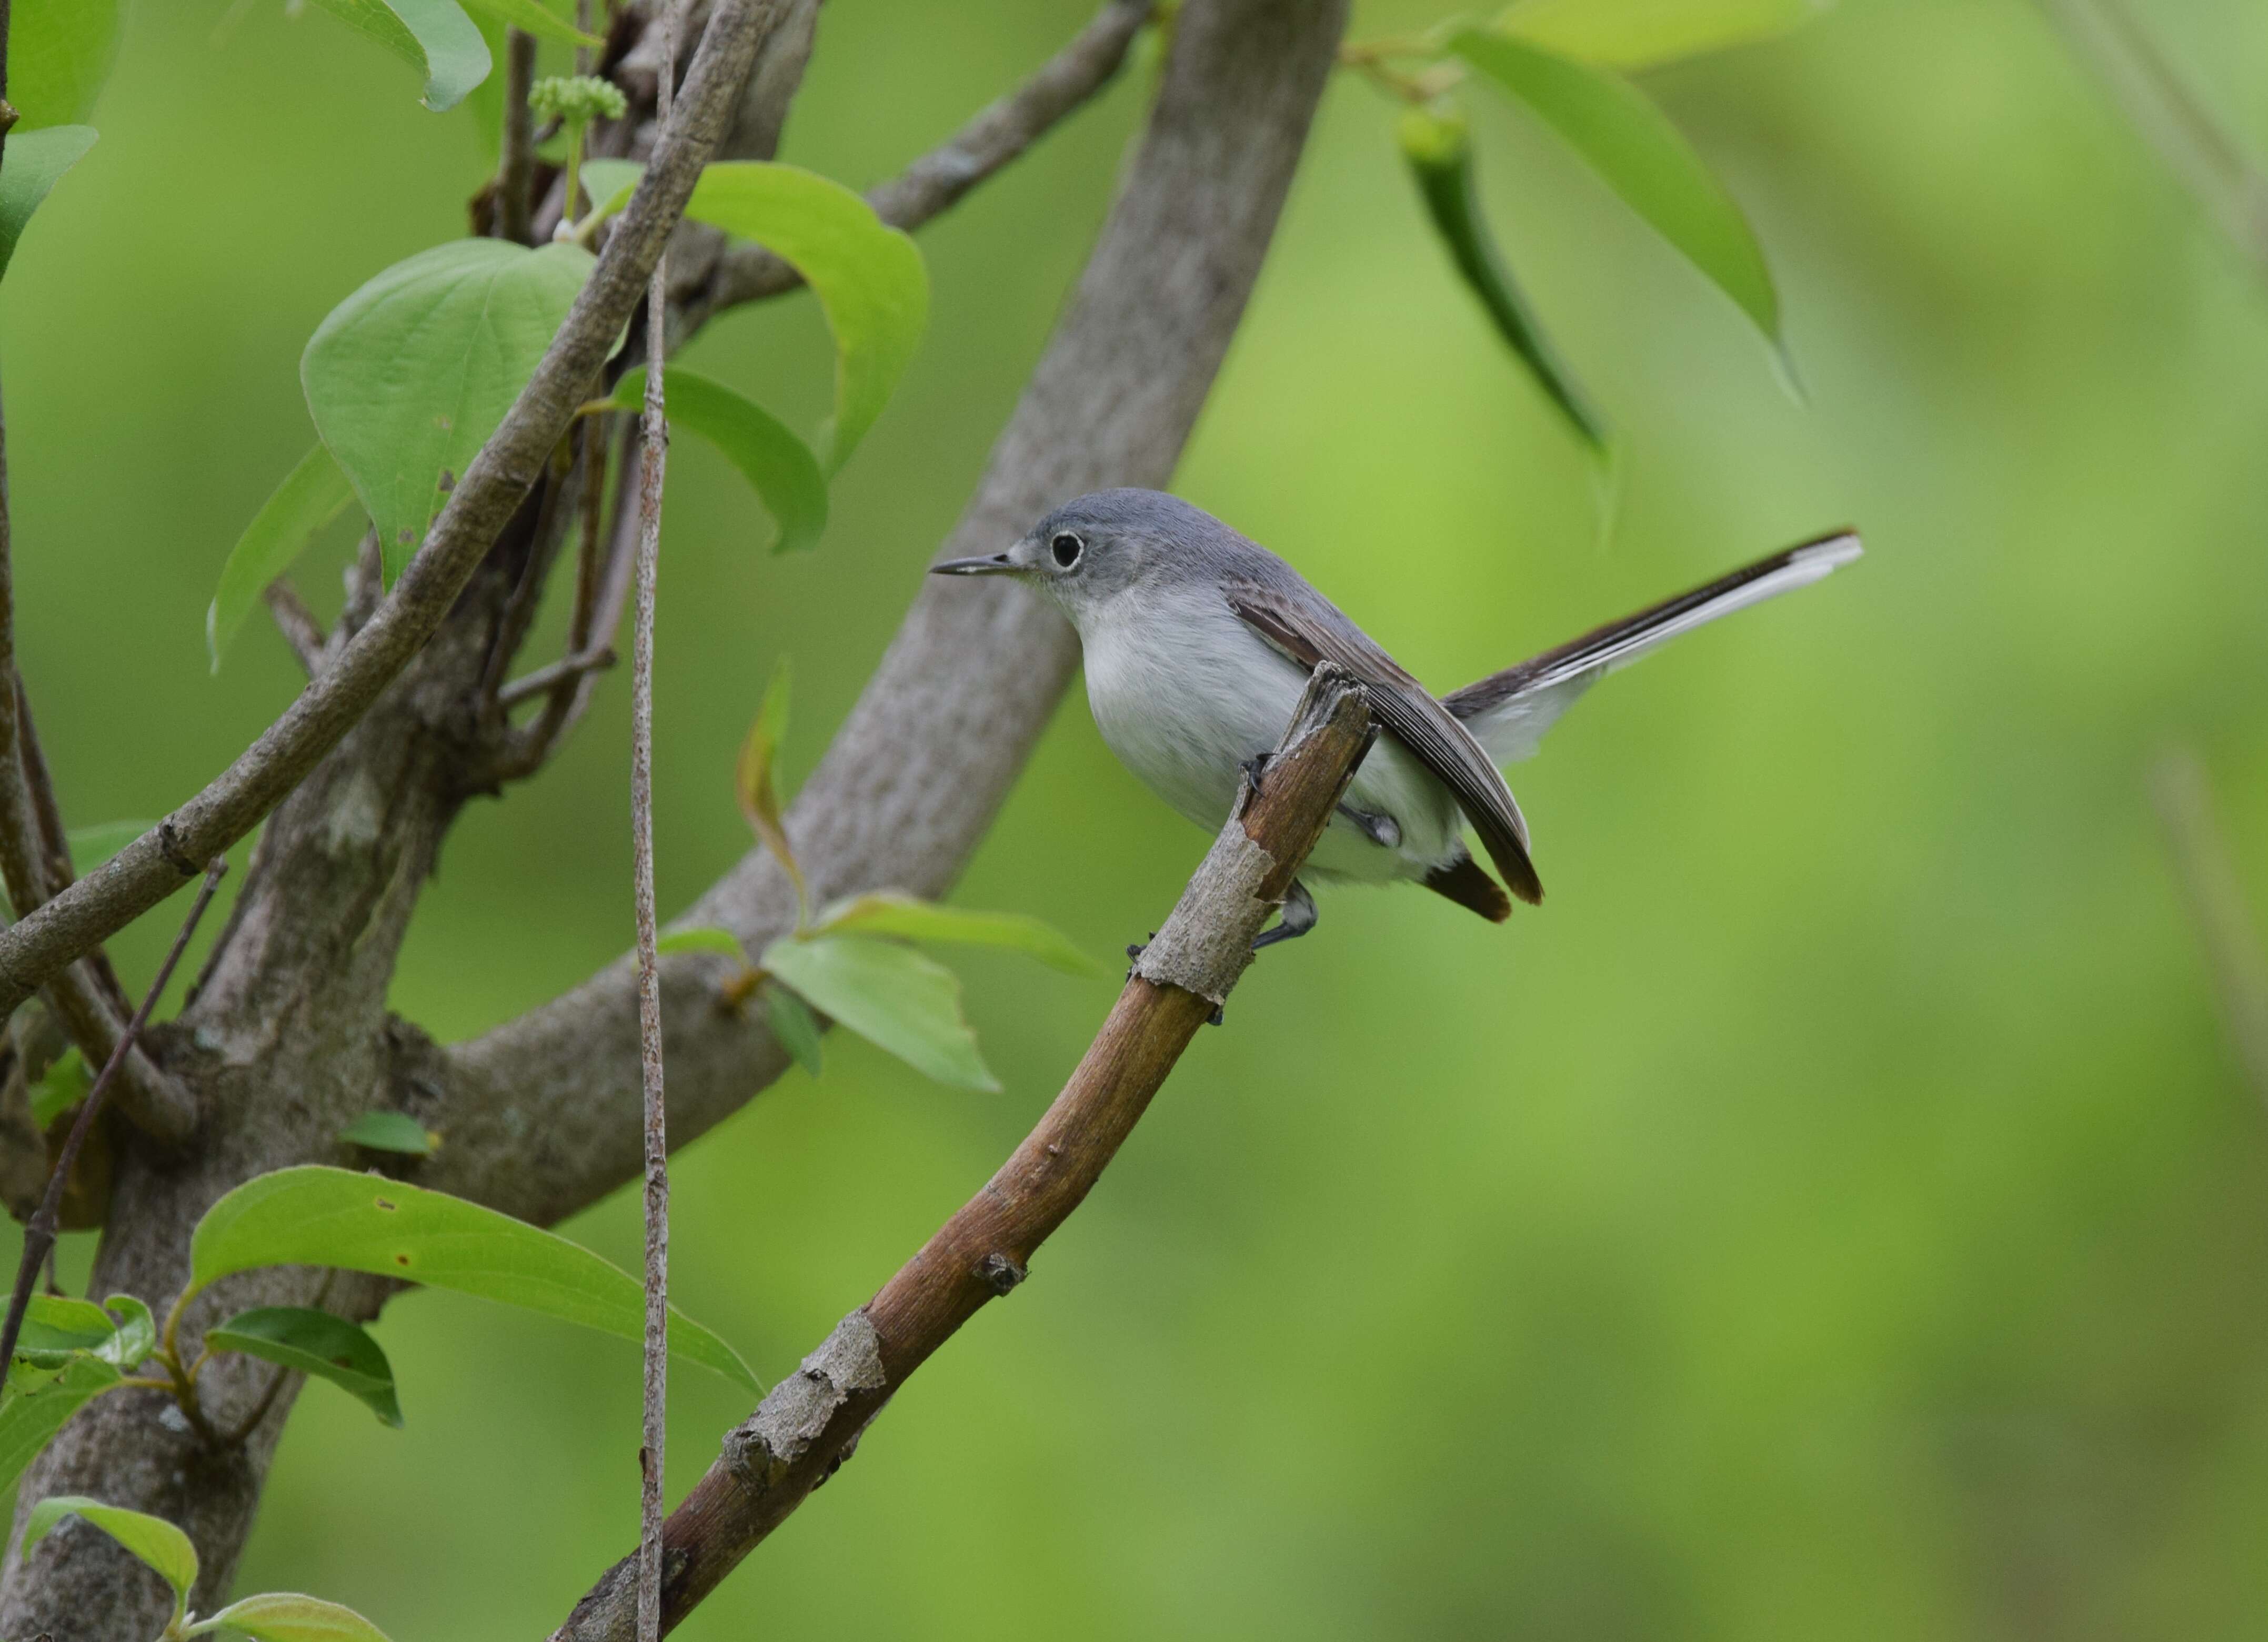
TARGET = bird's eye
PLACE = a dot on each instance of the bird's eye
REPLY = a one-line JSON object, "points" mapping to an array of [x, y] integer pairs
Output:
{"points": [[1066, 547]]}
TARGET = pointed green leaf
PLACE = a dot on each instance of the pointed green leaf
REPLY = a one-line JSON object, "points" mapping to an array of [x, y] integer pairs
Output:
{"points": [[890, 995], [314, 1215], [154, 1540], [759, 800], [868, 277], [1642, 157], [59, 54], [408, 376], [391, 1131], [29, 1419], [287, 1617], [92, 846], [36, 161], [314, 1343], [312, 494], [1441, 161], [1639, 33], [769, 456], [534, 18], [434, 37], [794, 1026], [890, 913], [702, 939], [61, 1088]]}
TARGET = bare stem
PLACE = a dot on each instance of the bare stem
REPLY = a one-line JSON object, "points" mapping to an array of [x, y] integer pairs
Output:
{"points": [[516, 170], [297, 623]]}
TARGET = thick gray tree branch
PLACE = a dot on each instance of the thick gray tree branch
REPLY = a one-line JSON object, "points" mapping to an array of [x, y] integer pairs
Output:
{"points": [[804, 1429], [542, 1112], [177, 848]]}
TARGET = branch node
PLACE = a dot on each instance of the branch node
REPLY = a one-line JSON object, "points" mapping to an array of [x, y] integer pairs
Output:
{"points": [[169, 845], [1000, 1273]]}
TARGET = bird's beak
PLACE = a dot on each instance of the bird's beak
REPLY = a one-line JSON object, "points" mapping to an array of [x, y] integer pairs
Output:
{"points": [[991, 564]]}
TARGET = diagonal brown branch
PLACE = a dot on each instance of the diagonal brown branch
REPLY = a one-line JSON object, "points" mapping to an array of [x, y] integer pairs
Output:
{"points": [[177, 848], [808, 1425]]}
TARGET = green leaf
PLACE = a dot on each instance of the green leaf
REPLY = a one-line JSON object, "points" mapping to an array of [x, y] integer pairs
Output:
{"points": [[434, 37], [702, 939], [890, 913], [485, 101], [59, 54], [92, 846], [534, 18], [610, 183], [136, 1337], [57, 1328], [391, 1131], [64, 1085], [1441, 160], [1640, 33], [759, 800], [769, 456], [1640, 154], [408, 376], [889, 995], [29, 1419], [869, 277], [154, 1540], [286, 1616], [314, 1343], [36, 161], [314, 1215], [794, 1026], [312, 494]]}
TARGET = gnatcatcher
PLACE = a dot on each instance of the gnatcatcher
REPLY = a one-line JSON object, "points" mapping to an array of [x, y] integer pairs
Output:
{"points": [[1199, 642]]}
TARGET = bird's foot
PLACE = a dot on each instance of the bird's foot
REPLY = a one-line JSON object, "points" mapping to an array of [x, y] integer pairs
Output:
{"points": [[1256, 771], [1134, 950], [1299, 918], [1381, 829]]}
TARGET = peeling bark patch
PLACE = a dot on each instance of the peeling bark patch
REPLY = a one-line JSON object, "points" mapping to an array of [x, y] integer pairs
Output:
{"points": [[796, 1411], [1204, 954]]}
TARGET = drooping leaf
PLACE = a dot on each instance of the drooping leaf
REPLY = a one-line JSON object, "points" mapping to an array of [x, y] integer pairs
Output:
{"points": [[1440, 153], [287, 1617], [36, 161], [704, 938], [391, 1131], [890, 913], [434, 37], [868, 277], [61, 1088], [890, 995], [312, 494], [1640, 33], [154, 1540], [314, 1343], [1630, 143], [136, 1337], [536, 18], [92, 846], [30, 1418], [766, 450], [760, 800], [408, 376], [316, 1216], [59, 54], [793, 1026]]}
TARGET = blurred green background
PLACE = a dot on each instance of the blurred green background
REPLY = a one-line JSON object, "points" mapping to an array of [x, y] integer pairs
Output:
{"points": [[1835, 1213]]}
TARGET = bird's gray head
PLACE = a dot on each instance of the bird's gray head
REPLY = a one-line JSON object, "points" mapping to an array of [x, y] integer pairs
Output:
{"points": [[1087, 552]]}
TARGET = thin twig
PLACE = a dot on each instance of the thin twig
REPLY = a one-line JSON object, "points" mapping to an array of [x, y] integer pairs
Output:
{"points": [[808, 1426], [2196, 145], [39, 1233], [295, 622], [515, 184], [157, 864], [655, 434], [2183, 796], [564, 670], [995, 137]]}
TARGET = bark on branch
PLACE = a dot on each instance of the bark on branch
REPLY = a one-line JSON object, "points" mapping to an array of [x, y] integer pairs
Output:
{"points": [[177, 848], [808, 1425]]}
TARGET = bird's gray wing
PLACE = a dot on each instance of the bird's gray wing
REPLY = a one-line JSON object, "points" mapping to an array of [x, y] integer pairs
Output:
{"points": [[1310, 632]]}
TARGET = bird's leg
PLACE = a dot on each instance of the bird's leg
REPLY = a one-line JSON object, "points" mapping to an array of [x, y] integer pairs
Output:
{"points": [[1381, 828], [1134, 950], [1299, 918]]}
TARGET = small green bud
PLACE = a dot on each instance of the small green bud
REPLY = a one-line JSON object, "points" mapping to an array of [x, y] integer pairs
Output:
{"points": [[577, 101], [1434, 136]]}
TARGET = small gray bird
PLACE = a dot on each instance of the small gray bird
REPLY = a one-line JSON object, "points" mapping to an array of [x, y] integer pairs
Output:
{"points": [[1199, 641]]}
